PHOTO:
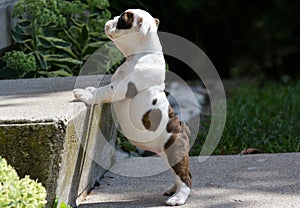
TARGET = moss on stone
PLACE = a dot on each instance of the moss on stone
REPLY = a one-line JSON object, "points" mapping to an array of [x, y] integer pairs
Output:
{"points": [[34, 149]]}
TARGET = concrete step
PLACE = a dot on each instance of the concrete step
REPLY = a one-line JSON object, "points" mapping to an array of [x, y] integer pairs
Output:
{"points": [[246, 181], [65, 145]]}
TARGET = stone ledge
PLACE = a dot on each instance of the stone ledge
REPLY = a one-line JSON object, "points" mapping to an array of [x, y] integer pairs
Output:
{"points": [[46, 135]]}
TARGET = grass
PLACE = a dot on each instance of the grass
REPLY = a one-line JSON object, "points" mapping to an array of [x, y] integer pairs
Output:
{"points": [[264, 117]]}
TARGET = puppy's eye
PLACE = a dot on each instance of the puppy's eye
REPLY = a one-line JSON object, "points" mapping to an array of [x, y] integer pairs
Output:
{"points": [[125, 21]]}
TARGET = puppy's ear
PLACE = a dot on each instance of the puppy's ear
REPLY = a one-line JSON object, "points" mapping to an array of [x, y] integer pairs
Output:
{"points": [[156, 21], [143, 26], [139, 21]]}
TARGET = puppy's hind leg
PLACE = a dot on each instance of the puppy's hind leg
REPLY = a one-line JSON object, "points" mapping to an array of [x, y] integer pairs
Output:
{"points": [[182, 183], [177, 157], [176, 154]]}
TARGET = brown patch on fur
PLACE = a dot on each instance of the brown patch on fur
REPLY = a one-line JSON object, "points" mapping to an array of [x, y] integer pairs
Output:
{"points": [[131, 90], [182, 170], [171, 112], [175, 125], [125, 21], [177, 148], [151, 119]]}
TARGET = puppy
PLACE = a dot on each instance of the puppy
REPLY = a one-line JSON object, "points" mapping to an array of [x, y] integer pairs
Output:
{"points": [[137, 94]]}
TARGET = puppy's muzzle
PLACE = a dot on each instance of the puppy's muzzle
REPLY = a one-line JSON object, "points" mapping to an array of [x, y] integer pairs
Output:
{"points": [[110, 28]]}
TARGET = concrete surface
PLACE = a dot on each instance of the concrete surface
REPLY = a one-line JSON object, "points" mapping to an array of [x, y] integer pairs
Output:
{"points": [[246, 181], [64, 144]]}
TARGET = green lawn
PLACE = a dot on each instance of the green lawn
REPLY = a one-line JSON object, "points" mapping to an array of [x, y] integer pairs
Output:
{"points": [[265, 116]]}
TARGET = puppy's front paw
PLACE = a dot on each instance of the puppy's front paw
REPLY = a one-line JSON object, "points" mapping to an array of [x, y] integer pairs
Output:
{"points": [[85, 95]]}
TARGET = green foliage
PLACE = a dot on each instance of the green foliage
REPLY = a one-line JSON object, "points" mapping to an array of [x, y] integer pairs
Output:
{"points": [[264, 117], [124, 144], [19, 64], [61, 35], [19, 193]]}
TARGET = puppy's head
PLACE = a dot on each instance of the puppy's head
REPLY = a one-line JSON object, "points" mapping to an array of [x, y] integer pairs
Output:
{"points": [[131, 21]]}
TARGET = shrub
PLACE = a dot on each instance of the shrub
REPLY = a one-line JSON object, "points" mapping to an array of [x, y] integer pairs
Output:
{"points": [[264, 117], [19, 64], [20, 193], [60, 35]]}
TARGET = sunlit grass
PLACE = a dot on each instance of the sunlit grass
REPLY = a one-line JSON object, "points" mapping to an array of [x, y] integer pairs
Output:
{"points": [[264, 117]]}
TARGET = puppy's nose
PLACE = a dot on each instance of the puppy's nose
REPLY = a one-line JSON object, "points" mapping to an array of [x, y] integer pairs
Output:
{"points": [[109, 24]]}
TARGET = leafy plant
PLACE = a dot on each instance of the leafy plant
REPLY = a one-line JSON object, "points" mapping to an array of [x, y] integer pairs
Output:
{"points": [[60, 35], [263, 117], [15, 192], [19, 64]]}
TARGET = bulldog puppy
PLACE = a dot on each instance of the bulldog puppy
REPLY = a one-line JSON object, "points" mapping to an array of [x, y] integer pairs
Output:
{"points": [[137, 94]]}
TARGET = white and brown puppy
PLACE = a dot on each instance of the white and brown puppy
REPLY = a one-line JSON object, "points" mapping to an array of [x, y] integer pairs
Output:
{"points": [[138, 97]]}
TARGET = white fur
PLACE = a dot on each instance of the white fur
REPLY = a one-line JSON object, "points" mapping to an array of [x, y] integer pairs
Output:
{"points": [[145, 67]]}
